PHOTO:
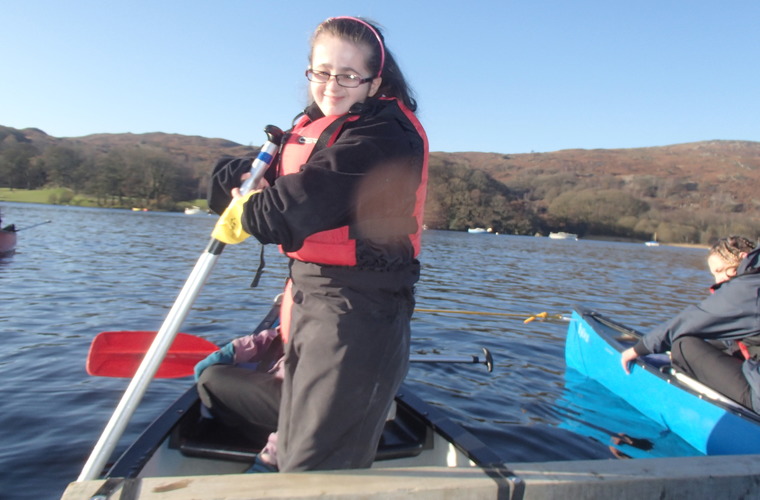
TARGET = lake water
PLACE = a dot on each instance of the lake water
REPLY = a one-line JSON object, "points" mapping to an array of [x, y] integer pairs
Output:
{"points": [[93, 270]]}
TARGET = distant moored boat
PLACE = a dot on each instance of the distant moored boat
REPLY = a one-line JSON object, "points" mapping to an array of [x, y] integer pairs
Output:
{"points": [[563, 236]]}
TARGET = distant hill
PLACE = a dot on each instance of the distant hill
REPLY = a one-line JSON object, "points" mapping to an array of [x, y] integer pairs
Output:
{"points": [[691, 192], [199, 153], [715, 173]]}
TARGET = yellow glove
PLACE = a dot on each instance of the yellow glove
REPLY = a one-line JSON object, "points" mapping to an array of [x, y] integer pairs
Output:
{"points": [[229, 227]]}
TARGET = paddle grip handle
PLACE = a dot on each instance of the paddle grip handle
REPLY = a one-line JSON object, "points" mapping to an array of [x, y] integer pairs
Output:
{"points": [[264, 159]]}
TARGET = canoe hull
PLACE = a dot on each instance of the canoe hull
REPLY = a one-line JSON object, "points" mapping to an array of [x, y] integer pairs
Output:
{"points": [[712, 427], [416, 435], [7, 242], [419, 436]]}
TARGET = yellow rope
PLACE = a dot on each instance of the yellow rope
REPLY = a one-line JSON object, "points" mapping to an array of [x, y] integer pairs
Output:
{"points": [[543, 316]]}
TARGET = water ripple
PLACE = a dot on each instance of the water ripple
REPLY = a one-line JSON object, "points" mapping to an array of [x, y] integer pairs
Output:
{"points": [[93, 270]]}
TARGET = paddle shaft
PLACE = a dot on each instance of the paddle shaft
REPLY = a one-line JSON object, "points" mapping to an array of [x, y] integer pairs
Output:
{"points": [[640, 443], [440, 358], [486, 360], [177, 314], [34, 225], [119, 354]]}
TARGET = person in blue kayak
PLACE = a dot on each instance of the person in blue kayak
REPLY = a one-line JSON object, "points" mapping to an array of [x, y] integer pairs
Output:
{"points": [[718, 341], [344, 203]]}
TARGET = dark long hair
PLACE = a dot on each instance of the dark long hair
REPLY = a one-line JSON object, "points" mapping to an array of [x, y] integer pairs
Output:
{"points": [[360, 31]]}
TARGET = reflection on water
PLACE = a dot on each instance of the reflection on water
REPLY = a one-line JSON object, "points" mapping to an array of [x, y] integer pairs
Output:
{"points": [[585, 407], [93, 270]]}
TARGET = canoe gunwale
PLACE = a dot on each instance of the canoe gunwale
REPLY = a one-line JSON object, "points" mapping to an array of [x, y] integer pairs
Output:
{"points": [[131, 463]]}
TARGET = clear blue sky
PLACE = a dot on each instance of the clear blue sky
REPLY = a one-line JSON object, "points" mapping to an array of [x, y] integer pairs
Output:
{"points": [[499, 76]]}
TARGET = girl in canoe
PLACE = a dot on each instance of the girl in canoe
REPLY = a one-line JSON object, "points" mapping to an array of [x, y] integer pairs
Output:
{"points": [[718, 341], [345, 205]]}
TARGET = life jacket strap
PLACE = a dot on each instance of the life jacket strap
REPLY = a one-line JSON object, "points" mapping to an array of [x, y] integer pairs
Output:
{"points": [[744, 349], [260, 270]]}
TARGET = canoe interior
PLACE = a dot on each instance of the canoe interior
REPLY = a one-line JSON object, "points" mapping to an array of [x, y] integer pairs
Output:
{"points": [[708, 421], [180, 442], [176, 445]]}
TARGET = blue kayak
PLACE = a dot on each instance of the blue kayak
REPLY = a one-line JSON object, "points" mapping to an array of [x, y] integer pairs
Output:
{"points": [[708, 421]]}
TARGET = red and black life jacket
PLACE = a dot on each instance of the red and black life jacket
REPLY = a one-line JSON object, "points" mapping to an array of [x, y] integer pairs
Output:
{"points": [[335, 246]]}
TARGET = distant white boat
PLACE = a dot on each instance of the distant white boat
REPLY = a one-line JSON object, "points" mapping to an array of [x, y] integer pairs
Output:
{"points": [[478, 230], [654, 242], [563, 236], [192, 210]]}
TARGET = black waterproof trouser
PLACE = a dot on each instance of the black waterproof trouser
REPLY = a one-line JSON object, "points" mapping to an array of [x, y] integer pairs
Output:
{"points": [[347, 356], [244, 399], [710, 365]]}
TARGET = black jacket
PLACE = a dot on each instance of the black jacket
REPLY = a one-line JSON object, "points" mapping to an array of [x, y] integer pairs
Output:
{"points": [[731, 313], [371, 173]]}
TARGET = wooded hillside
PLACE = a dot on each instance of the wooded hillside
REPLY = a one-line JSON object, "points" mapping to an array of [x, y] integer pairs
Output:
{"points": [[691, 192], [685, 193]]}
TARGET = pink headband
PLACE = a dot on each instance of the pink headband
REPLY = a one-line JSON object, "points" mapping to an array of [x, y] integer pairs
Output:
{"points": [[377, 35]]}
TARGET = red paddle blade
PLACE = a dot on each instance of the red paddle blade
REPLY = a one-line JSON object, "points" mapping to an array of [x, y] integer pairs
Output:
{"points": [[119, 354]]}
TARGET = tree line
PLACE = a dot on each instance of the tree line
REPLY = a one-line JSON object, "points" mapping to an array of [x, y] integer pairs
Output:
{"points": [[459, 197], [119, 177]]}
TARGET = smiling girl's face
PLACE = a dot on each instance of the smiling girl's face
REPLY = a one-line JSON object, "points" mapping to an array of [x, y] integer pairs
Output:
{"points": [[337, 56]]}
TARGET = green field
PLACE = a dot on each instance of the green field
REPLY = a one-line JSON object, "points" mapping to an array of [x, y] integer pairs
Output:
{"points": [[63, 196]]}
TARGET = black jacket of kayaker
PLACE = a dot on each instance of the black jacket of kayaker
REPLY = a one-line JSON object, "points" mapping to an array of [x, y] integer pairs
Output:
{"points": [[731, 313]]}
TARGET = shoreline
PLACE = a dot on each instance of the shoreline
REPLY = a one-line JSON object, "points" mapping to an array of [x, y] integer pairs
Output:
{"points": [[43, 196]]}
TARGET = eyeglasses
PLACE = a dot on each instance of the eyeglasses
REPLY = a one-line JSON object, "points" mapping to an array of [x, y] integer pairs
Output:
{"points": [[348, 81]]}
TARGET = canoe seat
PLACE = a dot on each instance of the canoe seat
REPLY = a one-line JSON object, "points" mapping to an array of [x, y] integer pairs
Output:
{"points": [[205, 438], [404, 435]]}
